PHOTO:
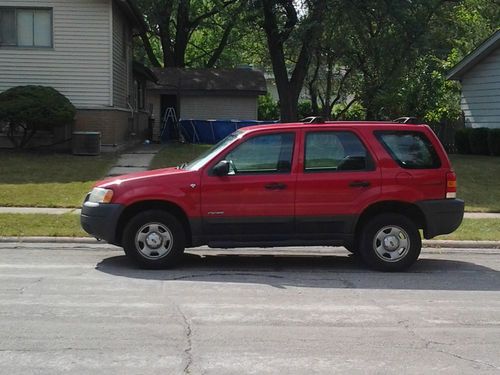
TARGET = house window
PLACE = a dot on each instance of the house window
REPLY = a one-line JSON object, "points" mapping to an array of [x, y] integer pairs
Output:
{"points": [[23, 27]]}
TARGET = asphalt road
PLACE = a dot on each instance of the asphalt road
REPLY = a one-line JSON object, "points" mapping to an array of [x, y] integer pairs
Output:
{"points": [[83, 309]]}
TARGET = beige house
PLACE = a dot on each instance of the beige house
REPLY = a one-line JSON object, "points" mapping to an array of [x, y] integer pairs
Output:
{"points": [[479, 75], [83, 48], [205, 94]]}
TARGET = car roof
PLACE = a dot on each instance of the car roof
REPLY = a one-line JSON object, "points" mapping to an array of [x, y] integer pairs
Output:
{"points": [[378, 125]]}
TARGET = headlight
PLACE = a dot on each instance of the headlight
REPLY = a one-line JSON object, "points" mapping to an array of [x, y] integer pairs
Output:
{"points": [[100, 195]]}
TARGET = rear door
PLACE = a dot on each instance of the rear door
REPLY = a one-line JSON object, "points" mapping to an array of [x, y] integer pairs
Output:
{"points": [[255, 202], [338, 178]]}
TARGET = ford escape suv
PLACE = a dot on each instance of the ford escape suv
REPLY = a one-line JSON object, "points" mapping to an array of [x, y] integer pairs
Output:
{"points": [[368, 186]]}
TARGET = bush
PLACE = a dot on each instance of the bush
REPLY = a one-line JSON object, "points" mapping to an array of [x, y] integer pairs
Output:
{"points": [[304, 110], [494, 142], [478, 140], [462, 141], [268, 108], [28, 109]]}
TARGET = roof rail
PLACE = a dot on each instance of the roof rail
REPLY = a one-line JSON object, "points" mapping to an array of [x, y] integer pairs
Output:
{"points": [[313, 120]]}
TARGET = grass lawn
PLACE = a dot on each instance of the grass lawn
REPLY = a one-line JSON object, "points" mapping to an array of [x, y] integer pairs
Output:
{"points": [[478, 179], [67, 225], [30, 179], [174, 154], [477, 230]]}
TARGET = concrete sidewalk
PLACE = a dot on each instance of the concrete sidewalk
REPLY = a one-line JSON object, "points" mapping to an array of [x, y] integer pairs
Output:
{"points": [[59, 211], [137, 159]]}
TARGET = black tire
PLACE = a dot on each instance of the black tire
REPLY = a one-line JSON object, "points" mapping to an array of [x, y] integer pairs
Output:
{"points": [[154, 239], [390, 242]]}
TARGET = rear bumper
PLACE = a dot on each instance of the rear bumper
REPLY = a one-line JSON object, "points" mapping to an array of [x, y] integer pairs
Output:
{"points": [[441, 216], [100, 220]]}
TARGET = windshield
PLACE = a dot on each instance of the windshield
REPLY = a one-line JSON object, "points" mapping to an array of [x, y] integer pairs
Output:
{"points": [[201, 160]]}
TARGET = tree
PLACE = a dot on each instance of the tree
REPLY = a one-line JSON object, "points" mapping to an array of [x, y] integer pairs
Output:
{"points": [[385, 39], [281, 25], [28, 109], [175, 23]]}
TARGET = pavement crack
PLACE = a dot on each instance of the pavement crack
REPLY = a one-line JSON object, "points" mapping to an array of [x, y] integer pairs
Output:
{"points": [[189, 344], [477, 361], [24, 288]]}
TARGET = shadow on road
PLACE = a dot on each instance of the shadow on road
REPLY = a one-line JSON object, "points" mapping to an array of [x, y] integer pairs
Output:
{"points": [[313, 271]]}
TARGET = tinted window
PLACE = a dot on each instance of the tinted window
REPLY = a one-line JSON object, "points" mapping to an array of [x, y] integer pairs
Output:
{"points": [[335, 151], [411, 150], [263, 154]]}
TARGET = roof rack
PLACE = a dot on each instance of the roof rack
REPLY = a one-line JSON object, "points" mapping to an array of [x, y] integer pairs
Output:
{"points": [[407, 120], [313, 120]]}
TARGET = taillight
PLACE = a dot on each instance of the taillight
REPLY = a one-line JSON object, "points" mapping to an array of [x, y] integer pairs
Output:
{"points": [[451, 185]]}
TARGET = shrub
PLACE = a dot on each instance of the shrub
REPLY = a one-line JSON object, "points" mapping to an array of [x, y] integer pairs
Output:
{"points": [[304, 110], [478, 140], [494, 141], [28, 109], [462, 141], [268, 108]]}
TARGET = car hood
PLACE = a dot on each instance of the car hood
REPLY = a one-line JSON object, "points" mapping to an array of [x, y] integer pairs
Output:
{"points": [[138, 177]]}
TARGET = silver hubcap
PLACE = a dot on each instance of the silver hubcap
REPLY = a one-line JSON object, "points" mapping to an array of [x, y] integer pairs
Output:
{"points": [[154, 240], [391, 243]]}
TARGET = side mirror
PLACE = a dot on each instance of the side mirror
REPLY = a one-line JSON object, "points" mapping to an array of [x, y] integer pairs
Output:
{"points": [[221, 168]]}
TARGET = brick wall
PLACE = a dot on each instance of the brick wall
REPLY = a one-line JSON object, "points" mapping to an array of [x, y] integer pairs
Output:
{"points": [[113, 124]]}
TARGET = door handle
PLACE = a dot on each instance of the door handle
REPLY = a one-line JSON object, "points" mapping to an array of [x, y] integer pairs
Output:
{"points": [[275, 186], [360, 184]]}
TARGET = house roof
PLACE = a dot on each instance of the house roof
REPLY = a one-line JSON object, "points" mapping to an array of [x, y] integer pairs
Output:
{"points": [[244, 81], [475, 57], [143, 71], [133, 13]]}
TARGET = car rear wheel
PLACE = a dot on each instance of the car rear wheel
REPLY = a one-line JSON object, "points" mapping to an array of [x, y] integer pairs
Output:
{"points": [[154, 239], [390, 242]]}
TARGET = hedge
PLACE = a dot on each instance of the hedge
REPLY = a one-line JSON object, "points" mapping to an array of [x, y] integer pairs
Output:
{"points": [[462, 141], [494, 141], [478, 140]]}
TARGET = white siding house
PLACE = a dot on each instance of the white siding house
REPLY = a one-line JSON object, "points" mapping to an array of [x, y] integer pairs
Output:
{"points": [[85, 52], [479, 75]]}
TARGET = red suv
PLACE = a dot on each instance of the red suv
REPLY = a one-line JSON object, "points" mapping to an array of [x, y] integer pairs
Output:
{"points": [[367, 186]]}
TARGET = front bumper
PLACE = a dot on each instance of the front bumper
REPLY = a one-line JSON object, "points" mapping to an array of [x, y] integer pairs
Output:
{"points": [[101, 220], [442, 216]]}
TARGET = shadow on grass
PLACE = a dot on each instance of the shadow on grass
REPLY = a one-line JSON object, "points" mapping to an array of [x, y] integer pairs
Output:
{"points": [[313, 272]]}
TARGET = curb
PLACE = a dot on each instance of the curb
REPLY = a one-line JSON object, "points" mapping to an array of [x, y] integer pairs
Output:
{"points": [[89, 240]]}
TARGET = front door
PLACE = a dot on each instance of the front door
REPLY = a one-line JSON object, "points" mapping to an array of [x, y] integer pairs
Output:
{"points": [[255, 201]]}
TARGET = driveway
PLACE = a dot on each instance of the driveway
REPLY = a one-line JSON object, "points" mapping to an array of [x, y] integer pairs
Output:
{"points": [[84, 309]]}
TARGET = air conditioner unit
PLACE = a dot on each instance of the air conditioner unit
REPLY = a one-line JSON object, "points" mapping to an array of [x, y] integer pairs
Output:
{"points": [[86, 143]]}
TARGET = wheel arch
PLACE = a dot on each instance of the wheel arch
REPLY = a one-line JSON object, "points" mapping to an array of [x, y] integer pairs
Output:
{"points": [[137, 207], [410, 210]]}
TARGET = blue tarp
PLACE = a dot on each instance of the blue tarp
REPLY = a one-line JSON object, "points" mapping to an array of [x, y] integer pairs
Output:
{"points": [[212, 131]]}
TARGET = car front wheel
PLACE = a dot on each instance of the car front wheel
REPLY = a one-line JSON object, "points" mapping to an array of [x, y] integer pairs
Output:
{"points": [[154, 239], [390, 242]]}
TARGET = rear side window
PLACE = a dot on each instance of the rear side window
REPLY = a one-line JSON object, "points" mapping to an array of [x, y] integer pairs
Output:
{"points": [[411, 150], [335, 151]]}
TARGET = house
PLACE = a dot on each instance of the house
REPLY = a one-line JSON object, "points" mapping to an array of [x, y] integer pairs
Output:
{"points": [[82, 48], [203, 94], [479, 75]]}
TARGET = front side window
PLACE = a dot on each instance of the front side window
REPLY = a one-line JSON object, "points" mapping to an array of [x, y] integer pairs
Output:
{"points": [[411, 150], [22, 27], [335, 151], [270, 153]]}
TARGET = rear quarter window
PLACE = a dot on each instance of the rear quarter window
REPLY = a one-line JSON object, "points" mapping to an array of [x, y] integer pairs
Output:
{"points": [[411, 150]]}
